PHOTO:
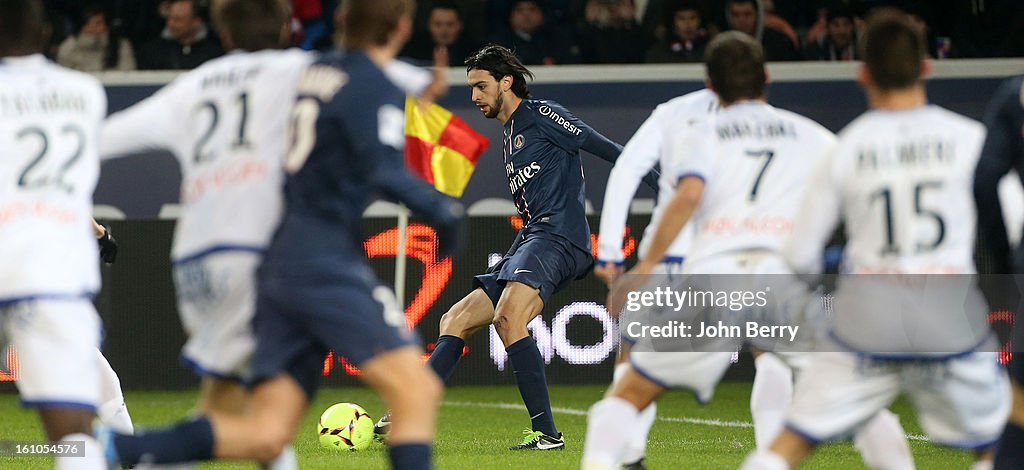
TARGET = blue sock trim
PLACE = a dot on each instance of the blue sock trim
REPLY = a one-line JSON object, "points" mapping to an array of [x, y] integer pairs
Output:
{"points": [[814, 441], [78, 405], [201, 371]]}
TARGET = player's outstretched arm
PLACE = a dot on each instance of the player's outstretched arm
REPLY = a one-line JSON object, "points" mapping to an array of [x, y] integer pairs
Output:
{"points": [[378, 134], [816, 222], [441, 212], [1002, 146], [637, 159], [147, 125], [609, 151], [678, 212]]}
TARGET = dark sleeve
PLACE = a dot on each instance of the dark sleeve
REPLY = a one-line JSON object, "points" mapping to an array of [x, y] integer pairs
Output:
{"points": [[377, 132], [998, 155], [572, 134], [601, 146]]}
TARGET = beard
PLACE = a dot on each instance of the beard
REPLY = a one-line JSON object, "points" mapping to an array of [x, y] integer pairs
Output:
{"points": [[493, 112]]}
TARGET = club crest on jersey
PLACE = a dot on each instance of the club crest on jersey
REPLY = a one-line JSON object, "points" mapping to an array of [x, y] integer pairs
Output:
{"points": [[518, 142]]}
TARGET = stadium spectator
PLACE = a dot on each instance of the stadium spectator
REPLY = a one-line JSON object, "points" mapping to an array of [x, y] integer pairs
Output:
{"points": [[685, 36], [840, 41], [185, 42], [610, 33], [532, 39], [445, 27], [743, 16], [96, 48], [772, 20], [471, 12]]}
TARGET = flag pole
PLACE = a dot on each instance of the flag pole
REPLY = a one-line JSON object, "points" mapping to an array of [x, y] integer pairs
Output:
{"points": [[403, 229]]}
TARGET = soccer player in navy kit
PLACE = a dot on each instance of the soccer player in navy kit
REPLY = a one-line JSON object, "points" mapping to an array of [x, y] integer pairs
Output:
{"points": [[541, 147], [1001, 154], [316, 291]]}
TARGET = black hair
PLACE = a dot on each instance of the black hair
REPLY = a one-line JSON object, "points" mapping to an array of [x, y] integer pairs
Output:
{"points": [[735, 65], [893, 49], [252, 25], [447, 5], [23, 27], [839, 10], [501, 62], [681, 5]]}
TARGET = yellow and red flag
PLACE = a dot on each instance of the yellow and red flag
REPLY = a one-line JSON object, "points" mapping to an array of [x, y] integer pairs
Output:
{"points": [[440, 147]]}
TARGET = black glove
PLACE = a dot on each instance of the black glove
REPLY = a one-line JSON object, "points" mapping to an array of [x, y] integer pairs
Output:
{"points": [[108, 246], [451, 231]]}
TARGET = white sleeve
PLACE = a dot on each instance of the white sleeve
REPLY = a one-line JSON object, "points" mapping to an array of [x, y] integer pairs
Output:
{"points": [[409, 78], [147, 125], [692, 151], [817, 220], [637, 158]]}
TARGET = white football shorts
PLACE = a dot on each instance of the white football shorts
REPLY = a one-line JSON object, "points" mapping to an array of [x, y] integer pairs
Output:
{"points": [[56, 343], [216, 301], [961, 402]]}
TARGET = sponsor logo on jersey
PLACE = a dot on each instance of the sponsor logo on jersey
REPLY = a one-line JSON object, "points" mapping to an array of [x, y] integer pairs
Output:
{"points": [[517, 179], [561, 121], [519, 141]]}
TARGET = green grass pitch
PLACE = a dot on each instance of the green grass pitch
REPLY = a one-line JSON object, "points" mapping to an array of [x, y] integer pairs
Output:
{"points": [[477, 424]]}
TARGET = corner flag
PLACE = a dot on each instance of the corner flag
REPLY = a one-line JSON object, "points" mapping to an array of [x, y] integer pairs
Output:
{"points": [[440, 147]]}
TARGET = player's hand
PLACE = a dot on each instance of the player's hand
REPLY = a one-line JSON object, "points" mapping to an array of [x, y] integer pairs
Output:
{"points": [[439, 85], [634, 280], [608, 272], [108, 246], [451, 232]]}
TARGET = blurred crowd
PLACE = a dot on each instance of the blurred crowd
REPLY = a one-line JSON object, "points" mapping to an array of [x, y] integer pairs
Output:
{"points": [[176, 34]]}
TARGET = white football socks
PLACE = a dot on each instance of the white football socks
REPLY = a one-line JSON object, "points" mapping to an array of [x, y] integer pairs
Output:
{"points": [[636, 448], [604, 449], [286, 461], [764, 460], [882, 443], [112, 410], [92, 457], [769, 397], [636, 445]]}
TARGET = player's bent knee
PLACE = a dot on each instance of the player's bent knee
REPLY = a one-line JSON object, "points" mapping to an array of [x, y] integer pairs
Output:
{"points": [[271, 444], [460, 321], [430, 388]]}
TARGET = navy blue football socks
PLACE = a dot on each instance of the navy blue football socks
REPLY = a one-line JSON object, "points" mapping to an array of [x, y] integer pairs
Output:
{"points": [[187, 441], [1010, 454], [533, 386], [410, 456], [445, 357]]}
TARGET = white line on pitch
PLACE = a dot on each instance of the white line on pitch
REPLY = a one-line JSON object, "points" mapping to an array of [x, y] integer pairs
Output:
{"points": [[668, 419]]}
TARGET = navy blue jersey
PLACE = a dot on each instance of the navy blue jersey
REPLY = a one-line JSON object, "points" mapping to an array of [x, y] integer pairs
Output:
{"points": [[545, 174], [348, 135], [1003, 151]]}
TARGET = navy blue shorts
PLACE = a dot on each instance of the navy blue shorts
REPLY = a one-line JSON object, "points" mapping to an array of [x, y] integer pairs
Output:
{"points": [[299, 318], [542, 263]]}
